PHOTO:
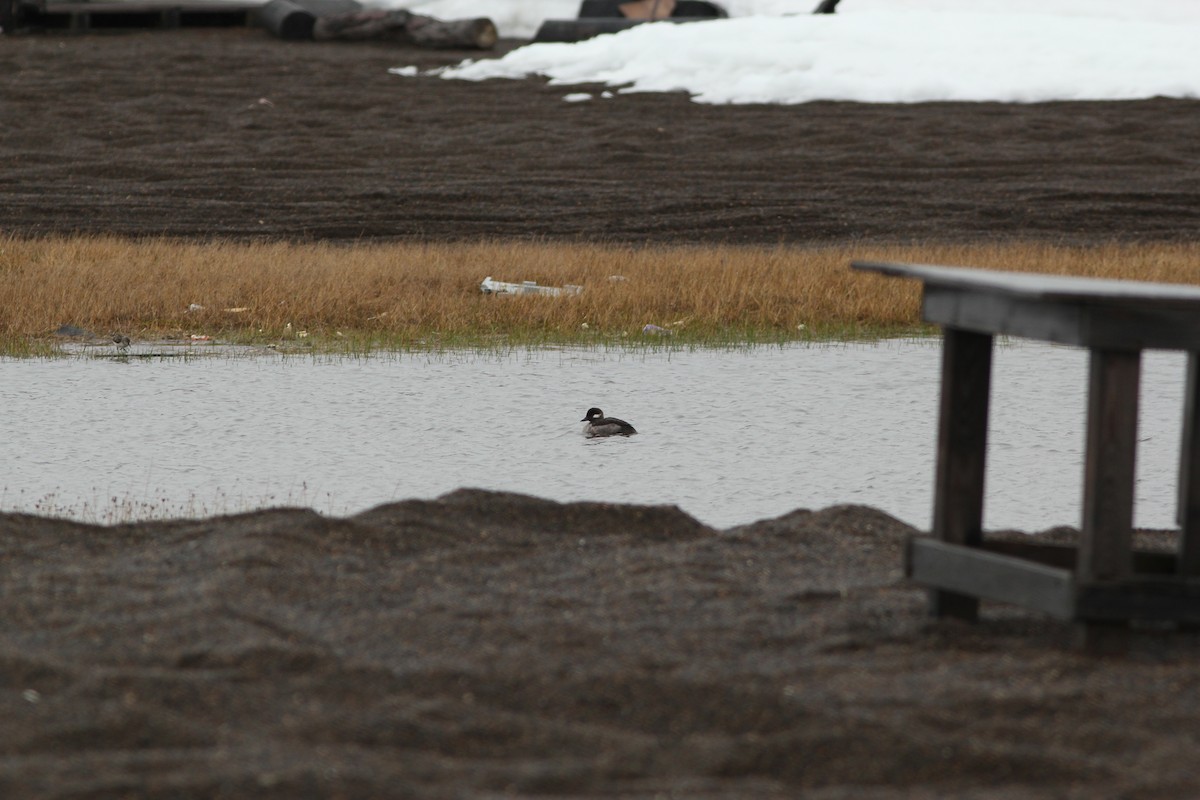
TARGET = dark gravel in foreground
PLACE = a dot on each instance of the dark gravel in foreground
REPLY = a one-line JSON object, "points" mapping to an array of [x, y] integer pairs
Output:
{"points": [[486, 645]]}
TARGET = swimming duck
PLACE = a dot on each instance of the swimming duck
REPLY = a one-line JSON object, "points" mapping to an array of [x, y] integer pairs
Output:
{"points": [[600, 425]]}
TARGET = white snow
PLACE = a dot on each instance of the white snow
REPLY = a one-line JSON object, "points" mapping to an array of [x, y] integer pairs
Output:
{"points": [[905, 51]]}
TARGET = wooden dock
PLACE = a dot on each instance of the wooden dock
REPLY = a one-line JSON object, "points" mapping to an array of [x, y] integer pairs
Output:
{"points": [[1104, 584]]}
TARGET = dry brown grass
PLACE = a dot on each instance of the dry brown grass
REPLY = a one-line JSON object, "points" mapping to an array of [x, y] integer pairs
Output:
{"points": [[408, 294]]}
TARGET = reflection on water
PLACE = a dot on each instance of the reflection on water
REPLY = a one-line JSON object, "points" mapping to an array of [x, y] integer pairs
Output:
{"points": [[730, 436]]}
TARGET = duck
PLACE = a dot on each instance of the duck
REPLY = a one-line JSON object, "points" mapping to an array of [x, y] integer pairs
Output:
{"points": [[600, 425], [121, 341]]}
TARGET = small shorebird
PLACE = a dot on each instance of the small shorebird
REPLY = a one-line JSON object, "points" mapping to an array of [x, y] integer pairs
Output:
{"points": [[600, 425], [121, 341]]}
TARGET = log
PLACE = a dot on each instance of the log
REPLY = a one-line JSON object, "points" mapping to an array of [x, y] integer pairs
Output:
{"points": [[406, 27], [479, 33], [598, 17], [293, 20], [599, 9], [647, 9], [576, 30], [287, 20]]}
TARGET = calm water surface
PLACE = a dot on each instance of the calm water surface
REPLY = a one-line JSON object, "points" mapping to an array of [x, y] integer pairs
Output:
{"points": [[731, 437]]}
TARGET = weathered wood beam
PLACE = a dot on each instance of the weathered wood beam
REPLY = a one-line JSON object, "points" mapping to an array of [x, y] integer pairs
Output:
{"points": [[957, 571], [1064, 556], [1144, 599], [1189, 473], [962, 450], [8, 15], [1106, 541]]}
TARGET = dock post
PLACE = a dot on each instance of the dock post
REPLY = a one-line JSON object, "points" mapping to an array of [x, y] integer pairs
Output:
{"points": [[962, 452], [1106, 536], [1188, 513], [1105, 548]]}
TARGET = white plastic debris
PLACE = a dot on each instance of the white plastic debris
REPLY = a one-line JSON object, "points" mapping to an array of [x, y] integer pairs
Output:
{"points": [[490, 286]]}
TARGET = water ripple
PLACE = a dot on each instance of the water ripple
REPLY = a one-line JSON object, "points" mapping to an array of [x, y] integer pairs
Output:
{"points": [[730, 436]]}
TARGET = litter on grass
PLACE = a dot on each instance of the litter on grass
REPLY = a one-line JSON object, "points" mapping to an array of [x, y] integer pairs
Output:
{"points": [[490, 286]]}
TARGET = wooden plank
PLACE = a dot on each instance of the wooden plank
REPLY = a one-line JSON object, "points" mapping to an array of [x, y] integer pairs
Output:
{"points": [[1064, 556], [1143, 599], [962, 450], [1050, 590], [993, 576], [1061, 556], [8, 15], [80, 17], [995, 312], [1106, 541], [1059, 288], [1111, 315], [1073, 323]]}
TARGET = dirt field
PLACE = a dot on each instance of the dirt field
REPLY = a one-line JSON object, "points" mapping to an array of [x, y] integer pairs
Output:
{"points": [[232, 133], [493, 645], [489, 645]]}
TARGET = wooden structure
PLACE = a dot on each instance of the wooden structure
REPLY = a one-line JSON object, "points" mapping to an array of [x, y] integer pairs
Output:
{"points": [[81, 16], [1103, 584]]}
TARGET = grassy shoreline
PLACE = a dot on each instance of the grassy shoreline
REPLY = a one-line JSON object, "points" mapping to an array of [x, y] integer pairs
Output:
{"points": [[404, 296]]}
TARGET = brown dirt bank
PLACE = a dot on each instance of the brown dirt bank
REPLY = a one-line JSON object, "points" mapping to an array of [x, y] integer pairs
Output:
{"points": [[165, 133], [484, 645]]}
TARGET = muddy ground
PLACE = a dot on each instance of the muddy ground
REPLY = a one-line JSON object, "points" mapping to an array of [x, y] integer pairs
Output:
{"points": [[233, 133], [494, 645]]}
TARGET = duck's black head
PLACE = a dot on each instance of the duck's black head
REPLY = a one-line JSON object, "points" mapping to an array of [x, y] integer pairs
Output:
{"points": [[592, 415]]}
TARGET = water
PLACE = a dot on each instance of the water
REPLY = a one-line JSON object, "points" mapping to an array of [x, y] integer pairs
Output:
{"points": [[730, 436]]}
